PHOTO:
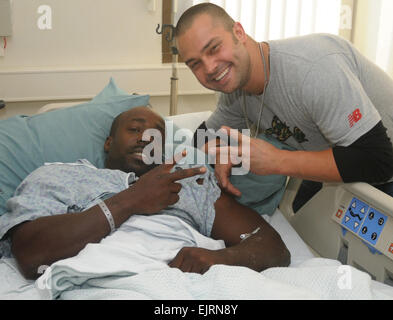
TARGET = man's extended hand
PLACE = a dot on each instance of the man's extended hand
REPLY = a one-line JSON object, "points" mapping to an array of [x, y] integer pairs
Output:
{"points": [[157, 189], [259, 156], [197, 260]]}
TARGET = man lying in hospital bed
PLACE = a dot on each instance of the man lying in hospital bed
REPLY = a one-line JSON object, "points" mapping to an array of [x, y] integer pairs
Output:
{"points": [[114, 268], [44, 228]]}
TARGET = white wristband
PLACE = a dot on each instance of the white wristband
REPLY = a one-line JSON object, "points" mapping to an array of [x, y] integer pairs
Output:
{"points": [[108, 215]]}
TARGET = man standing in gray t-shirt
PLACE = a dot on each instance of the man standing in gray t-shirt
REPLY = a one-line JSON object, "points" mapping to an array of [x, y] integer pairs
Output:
{"points": [[316, 93]]}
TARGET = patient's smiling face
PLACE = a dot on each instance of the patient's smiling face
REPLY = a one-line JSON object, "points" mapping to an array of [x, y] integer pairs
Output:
{"points": [[124, 146]]}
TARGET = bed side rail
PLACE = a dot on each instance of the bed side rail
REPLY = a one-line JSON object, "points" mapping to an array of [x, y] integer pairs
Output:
{"points": [[352, 223]]}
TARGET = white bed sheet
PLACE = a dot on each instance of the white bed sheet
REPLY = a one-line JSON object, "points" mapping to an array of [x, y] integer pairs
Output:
{"points": [[14, 286], [307, 278]]}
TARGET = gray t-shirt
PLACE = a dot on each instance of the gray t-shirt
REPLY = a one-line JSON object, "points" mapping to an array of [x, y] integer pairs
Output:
{"points": [[322, 93]]}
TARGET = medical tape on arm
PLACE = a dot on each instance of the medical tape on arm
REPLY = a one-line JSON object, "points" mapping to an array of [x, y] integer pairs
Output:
{"points": [[245, 236]]}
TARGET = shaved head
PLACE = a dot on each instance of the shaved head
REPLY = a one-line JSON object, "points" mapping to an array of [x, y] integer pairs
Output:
{"points": [[218, 14]]}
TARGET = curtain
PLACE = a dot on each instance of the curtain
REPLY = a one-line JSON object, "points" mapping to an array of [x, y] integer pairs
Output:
{"points": [[384, 56]]}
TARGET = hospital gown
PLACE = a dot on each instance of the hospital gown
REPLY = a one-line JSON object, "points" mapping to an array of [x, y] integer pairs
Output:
{"points": [[58, 188]]}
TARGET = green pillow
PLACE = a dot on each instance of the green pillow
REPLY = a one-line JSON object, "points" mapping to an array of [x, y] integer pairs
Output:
{"points": [[63, 135], [261, 193], [110, 91]]}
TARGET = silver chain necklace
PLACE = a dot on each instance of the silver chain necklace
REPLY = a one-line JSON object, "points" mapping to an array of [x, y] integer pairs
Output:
{"points": [[255, 129]]}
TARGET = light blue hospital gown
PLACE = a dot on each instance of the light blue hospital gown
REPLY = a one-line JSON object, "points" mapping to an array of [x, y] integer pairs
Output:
{"points": [[58, 188]]}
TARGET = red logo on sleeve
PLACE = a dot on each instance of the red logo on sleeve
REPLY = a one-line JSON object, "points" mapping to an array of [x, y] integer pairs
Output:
{"points": [[354, 117]]}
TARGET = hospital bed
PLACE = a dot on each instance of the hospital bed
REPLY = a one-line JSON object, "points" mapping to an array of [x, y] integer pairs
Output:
{"points": [[330, 257]]}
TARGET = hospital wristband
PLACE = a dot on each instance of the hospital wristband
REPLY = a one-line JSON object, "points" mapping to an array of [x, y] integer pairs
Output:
{"points": [[108, 215]]}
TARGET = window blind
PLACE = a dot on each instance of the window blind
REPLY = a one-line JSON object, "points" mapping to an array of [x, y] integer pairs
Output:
{"points": [[278, 19]]}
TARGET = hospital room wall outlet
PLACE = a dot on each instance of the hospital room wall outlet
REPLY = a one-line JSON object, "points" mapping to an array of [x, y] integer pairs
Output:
{"points": [[152, 5], [5, 18], [5, 24], [352, 223]]}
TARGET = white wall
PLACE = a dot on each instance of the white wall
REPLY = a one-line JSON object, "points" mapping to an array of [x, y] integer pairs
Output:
{"points": [[90, 41], [84, 33], [186, 104]]}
